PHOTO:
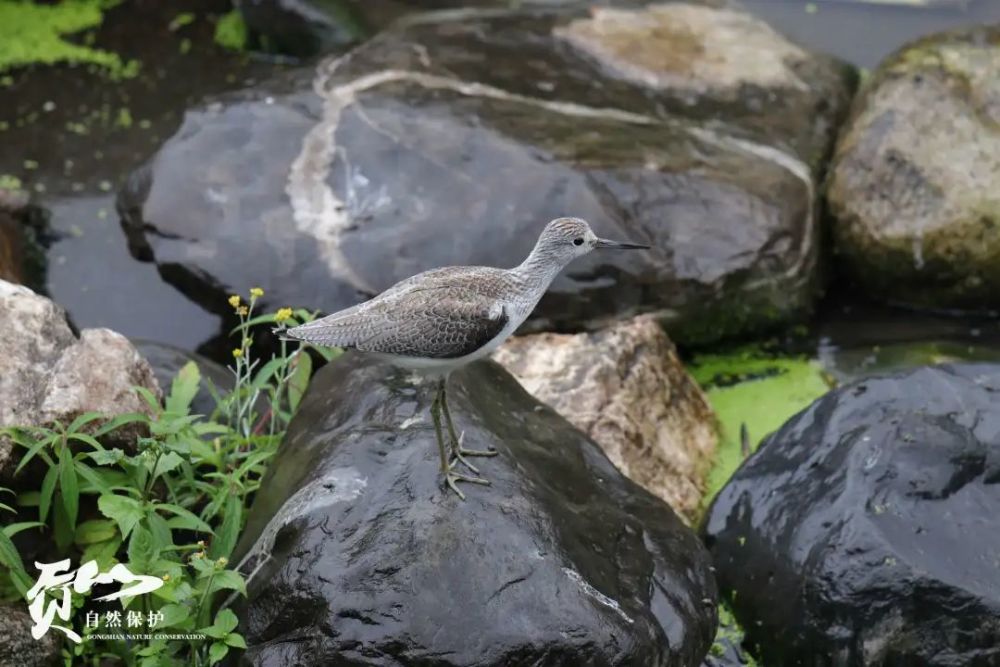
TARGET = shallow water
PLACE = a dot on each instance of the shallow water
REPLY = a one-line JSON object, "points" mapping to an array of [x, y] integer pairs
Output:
{"points": [[862, 32], [75, 134]]}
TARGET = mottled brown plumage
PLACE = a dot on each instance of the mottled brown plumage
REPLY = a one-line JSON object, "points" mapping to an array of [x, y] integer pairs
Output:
{"points": [[441, 319]]}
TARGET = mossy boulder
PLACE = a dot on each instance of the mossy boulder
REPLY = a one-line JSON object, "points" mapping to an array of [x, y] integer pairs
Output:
{"points": [[915, 184]]}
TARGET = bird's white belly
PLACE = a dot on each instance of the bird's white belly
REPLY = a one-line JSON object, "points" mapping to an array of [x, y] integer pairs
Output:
{"points": [[433, 366]]}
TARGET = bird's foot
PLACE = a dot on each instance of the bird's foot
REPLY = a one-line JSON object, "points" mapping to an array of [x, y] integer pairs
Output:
{"points": [[452, 479], [459, 453], [459, 449]]}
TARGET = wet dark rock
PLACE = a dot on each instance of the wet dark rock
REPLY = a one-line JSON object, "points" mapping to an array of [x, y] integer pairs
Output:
{"points": [[452, 138], [914, 182], [864, 531], [304, 28], [361, 558]]}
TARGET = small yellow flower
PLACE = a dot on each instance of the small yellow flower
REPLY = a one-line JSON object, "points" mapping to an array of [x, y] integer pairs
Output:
{"points": [[237, 353], [256, 292], [234, 301], [166, 577], [282, 315], [243, 311], [222, 561]]}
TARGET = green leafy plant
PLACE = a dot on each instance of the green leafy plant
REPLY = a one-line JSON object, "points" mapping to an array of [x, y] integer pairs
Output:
{"points": [[173, 506]]}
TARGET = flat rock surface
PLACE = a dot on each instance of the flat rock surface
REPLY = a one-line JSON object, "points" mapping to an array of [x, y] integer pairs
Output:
{"points": [[453, 137], [914, 183], [626, 388], [865, 530], [362, 558]]}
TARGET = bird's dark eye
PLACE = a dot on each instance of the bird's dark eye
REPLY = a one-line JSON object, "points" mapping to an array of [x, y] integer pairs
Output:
{"points": [[577, 241]]}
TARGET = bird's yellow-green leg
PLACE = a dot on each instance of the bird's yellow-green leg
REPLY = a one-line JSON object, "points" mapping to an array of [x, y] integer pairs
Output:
{"points": [[457, 449], [451, 477]]}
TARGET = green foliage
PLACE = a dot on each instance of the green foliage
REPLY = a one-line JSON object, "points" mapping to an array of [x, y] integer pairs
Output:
{"points": [[33, 33], [753, 392], [172, 506]]}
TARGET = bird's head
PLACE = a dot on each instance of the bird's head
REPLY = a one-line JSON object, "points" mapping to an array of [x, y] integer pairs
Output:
{"points": [[565, 239]]}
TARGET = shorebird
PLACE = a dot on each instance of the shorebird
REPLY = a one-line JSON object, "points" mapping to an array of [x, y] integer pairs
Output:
{"points": [[442, 319]]}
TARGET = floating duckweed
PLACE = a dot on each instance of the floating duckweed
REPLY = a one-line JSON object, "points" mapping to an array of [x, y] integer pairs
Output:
{"points": [[124, 118], [749, 387], [231, 31], [33, 34], [181, 20]]}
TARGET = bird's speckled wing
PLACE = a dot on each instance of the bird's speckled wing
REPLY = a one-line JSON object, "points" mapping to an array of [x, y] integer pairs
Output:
{"points": [[439, 314]]}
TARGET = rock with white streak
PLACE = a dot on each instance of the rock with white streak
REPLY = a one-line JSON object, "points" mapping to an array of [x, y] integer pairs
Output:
{"points": [[626, 388], [453, 137], [48, 374]]}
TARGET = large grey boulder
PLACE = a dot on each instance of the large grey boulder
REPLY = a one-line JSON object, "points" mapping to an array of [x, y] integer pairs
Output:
{"points": [[359, 557], [915, 182], [453, 137], [627, 389], [48, 374]]}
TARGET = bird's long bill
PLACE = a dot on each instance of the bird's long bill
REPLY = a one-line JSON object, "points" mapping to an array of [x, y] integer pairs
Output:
{"points": [[605, 243]]}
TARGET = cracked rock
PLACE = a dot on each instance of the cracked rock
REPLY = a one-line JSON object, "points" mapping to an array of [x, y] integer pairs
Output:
{"points": [[625, 387], [48, 374]]}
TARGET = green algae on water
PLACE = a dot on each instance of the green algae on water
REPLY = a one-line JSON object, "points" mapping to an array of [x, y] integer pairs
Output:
{"points": [[231, 31], [729, 638], [752, 388], [34, 34]]}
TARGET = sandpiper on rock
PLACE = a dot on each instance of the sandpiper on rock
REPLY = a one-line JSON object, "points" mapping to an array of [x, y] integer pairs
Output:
{"points": [[442, 319]]}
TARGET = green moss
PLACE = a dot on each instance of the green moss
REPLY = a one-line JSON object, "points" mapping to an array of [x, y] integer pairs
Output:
{"points": [[730, 634], [34, 34], [749, 387], [231, 31]]}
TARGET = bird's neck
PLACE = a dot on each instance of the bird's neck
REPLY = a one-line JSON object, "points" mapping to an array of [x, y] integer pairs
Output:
{"points": [[539, 268]]}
